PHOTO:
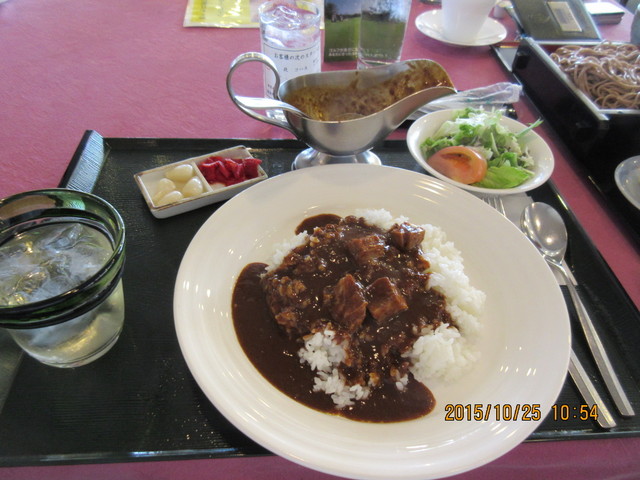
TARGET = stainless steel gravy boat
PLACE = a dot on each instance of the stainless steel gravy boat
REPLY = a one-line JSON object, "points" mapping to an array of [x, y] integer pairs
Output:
{"points": [[349, 139]]}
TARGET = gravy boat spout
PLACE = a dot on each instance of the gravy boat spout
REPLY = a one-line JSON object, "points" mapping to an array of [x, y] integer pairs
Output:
{"points": [[342, 114]]}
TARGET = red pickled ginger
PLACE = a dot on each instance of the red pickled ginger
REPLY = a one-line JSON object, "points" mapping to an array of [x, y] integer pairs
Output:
{"points": [[229, 171]]}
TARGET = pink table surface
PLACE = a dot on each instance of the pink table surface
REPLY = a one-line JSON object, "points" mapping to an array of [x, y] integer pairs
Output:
{"points": [[130, 69]]}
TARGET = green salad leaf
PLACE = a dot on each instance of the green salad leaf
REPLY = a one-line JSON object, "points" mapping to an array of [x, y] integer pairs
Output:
{"points": [[504, 176], [509, 163]]}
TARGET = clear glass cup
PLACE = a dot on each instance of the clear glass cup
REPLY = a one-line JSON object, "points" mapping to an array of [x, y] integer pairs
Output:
{"points": [[382, 28], [290, 36], [62, 255]]}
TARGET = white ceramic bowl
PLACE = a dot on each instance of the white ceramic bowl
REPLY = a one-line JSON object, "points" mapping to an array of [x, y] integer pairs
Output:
{"points": [[627, 176], [426, 126]]}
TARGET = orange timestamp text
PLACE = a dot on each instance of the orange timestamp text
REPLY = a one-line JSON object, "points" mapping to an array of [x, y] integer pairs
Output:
{"points": [[481, 412], [563, 412]]}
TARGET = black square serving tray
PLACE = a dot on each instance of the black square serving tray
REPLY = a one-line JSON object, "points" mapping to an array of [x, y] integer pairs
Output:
{"points": [[140, 402], [599, 139]]}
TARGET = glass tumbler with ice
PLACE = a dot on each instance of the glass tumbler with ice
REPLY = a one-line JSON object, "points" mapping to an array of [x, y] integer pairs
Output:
{"points": [[61, 262], [290, 34]]}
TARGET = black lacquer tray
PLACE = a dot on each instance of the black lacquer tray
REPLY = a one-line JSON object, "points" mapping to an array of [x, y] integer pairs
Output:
{"points": [[598, 140], [140, 401]]}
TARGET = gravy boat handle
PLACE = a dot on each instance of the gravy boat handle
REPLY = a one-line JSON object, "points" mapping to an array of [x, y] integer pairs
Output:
{"points": [[247, 104]]}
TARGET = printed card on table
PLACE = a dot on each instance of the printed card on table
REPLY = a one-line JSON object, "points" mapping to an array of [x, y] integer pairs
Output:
{"points": [[342, 28]]}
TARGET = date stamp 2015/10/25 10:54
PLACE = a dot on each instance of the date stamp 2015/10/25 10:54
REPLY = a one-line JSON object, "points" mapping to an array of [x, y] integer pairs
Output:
{"points": [[513, 412]]}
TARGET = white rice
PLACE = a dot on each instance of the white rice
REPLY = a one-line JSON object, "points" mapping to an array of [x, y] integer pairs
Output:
{"points": [[282, 249], [324, 354], [444, 353]]}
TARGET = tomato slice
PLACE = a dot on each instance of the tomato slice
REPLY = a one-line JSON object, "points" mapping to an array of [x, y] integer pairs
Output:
{"points": [[462, 164]]}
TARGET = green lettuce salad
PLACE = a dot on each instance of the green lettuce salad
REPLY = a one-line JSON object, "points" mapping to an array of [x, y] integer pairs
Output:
{"points": [[509, 163]]}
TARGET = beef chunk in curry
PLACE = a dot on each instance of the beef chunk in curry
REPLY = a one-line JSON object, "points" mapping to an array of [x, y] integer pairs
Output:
{"points": [[368, 285]]}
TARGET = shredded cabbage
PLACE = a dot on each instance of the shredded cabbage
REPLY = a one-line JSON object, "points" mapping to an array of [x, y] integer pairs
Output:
{"points": [[509, 163]]}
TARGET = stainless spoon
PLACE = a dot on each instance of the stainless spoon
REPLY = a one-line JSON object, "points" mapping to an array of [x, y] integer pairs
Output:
{"points": [[546, 230]]}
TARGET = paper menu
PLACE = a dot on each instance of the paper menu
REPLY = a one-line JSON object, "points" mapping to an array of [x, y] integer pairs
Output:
{"points": [[226, 13], [222, 13]]}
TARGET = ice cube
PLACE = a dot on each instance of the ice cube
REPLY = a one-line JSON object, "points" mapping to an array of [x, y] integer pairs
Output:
{"points": [[13, 299], [32, 281], [61, 237]]}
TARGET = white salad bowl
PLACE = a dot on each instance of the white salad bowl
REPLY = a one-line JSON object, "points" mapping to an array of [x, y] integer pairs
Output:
{"points": [[426, 126]]}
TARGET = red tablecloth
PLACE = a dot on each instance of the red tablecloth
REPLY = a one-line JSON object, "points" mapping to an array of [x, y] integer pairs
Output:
{"points": [[130, 69]]}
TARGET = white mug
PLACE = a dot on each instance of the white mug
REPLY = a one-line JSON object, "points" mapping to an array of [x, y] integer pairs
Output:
{"points": [[463, 19]]}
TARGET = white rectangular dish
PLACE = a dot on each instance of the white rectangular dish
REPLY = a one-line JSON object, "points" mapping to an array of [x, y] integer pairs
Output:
{"points": [[149, 182]]}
